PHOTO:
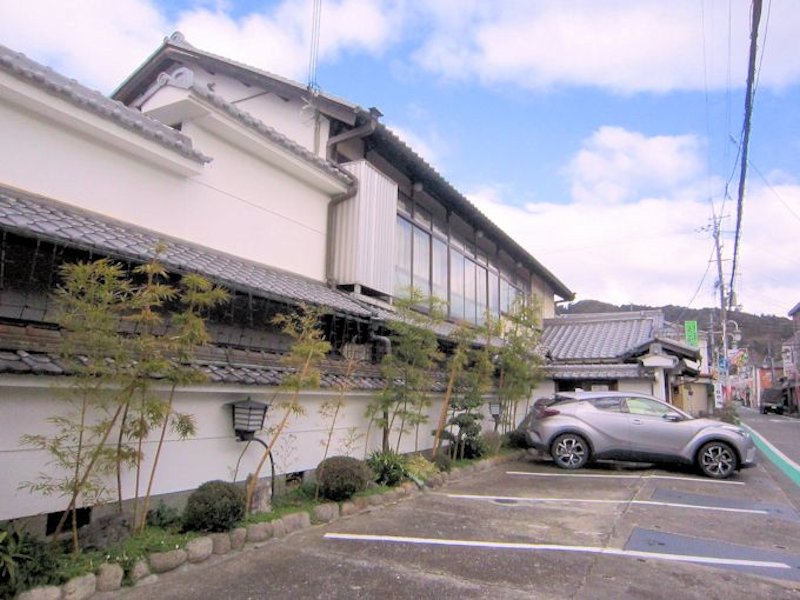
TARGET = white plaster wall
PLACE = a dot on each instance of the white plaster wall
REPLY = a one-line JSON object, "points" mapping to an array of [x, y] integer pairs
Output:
{"points": [[292, 118], [27, 402], [643, 386], [239, 205]]}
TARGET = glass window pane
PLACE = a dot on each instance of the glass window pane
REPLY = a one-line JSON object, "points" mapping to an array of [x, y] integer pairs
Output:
{"points": [[439, 269], [469, 291], [402, 259], [422, 216], [456, 285], [494, 294], [480, 294], [421, 272]]}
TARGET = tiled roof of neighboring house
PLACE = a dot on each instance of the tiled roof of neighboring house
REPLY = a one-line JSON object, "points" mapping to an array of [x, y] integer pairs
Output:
{"points": [[69, 90], [794, 310], [599, 337], [597, 371], [42, 218]]}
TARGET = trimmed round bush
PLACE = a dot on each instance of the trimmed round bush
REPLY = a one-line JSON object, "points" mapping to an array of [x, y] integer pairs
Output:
{"points": [[342, 476], [419, 467], [215, 506]]}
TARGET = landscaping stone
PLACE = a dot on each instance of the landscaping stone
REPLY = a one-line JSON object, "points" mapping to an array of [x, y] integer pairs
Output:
{"points": [[279, 528], [148, 580], [199, 549], [50, 592], [258, 532], [327, 512], [296, 521], [109, 577], [221, 543], [238, 538], [161, 562], [140, 570], [107, 531], [375, 500], [409, 487], [79, 588], [348, 508]]}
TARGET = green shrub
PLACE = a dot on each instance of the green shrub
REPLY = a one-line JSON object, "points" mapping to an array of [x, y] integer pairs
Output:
{"points": [[164, 517], [25, 562], [443, 461], [342, 476], [474, 447], [214, 506], [515, 439], [420, 468], [389, 467]]}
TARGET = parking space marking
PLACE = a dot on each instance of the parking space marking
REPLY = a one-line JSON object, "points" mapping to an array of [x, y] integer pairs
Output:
{"points": [[709, 560], [597, 476], [523, 499]]}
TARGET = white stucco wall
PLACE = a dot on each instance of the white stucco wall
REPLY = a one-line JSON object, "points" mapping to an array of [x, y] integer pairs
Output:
{"points": [[28, 401], [239, 204]]}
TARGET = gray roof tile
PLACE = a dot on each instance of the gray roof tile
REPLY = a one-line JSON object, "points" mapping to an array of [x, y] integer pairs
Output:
{"points": [[599, 337], [39, 217], [20, 66]]}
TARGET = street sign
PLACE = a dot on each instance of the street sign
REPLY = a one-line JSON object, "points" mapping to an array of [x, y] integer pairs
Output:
{"points": [[690, 332]]}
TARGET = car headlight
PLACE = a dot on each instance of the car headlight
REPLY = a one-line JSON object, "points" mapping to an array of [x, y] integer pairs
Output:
{"points": [[738, 430]]}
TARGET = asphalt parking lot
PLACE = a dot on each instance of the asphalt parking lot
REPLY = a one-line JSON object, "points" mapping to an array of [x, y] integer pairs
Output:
{"points": [[526, 529]]}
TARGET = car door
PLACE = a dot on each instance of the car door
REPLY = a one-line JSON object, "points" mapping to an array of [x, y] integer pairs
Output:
{"points": [[609, 422], [655, 428]]}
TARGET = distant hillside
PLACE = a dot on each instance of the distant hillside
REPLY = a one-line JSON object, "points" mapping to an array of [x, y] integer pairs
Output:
{"points": [[762, 335]]}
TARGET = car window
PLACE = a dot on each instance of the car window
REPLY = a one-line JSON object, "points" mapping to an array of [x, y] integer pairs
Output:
{"points": [[607, 404], [645, 406]]}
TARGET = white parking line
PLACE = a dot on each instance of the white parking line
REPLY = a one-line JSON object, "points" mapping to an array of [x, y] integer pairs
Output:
{"points": [[709, 560], [523, 499], [692, 479]]}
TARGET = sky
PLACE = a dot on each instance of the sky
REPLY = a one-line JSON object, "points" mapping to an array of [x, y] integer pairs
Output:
{"points": [[604, 137]]}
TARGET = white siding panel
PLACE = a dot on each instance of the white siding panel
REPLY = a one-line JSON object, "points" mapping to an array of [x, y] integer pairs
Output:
{"points": [[364, 230]]}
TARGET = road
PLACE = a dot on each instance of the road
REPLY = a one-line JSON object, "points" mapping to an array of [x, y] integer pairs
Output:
{"points": [[526, 529]]}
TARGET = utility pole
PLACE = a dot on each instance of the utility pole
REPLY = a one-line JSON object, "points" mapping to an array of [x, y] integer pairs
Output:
{"points": [[723, 361]]}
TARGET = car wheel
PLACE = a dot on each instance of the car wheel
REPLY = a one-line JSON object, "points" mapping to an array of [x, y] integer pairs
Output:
{"points": [[717, 460], [570, 451]]}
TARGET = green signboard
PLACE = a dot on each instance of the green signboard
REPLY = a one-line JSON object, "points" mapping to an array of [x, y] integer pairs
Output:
{"points": [[690, 332]]}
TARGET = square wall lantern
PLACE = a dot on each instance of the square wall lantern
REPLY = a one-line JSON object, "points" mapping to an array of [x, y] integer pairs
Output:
{"points": [[495, 407], [248, 418]]}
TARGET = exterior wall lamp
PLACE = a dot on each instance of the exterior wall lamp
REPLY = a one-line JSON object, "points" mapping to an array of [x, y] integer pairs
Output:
{"points": [[495, 408], [248, 418]]}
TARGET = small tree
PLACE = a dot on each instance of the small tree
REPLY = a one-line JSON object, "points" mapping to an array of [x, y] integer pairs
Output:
{"points": [[408, 368], [110, 386], [519, 363], [308, 348]]}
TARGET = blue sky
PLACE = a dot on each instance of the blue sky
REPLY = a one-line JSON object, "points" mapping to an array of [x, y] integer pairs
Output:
{"points": [[600, 135]]}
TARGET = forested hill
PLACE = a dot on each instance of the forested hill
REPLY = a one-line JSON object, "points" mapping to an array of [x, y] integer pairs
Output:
{"points": [[762, 335]]}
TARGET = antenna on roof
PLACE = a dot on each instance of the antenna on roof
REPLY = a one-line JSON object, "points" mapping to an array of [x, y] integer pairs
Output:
{"points": [[313, 86]]}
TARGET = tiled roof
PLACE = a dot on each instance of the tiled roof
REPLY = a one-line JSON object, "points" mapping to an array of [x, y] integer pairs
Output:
{"points": [[20, 66], [45, 219], [597, 371], [599, 337]]}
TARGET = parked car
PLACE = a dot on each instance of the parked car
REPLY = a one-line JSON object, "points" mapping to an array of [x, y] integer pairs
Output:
{"points": [[576, 427], [773, 400]]}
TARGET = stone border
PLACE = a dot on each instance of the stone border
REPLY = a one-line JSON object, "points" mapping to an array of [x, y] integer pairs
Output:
{"points": [[147, 571]]}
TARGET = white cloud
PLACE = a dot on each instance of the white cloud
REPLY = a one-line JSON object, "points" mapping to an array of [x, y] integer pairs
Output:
{"points": [[615, 164], [623, 45], [101, 42], [651, 250], [96, 41]]}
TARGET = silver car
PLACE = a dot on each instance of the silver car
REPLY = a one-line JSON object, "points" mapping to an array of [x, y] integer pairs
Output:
{"points": [[576, 427]]}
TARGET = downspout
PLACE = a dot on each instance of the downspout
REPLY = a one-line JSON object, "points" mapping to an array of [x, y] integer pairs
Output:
{"points": [[358, 132], [387, 345]]}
